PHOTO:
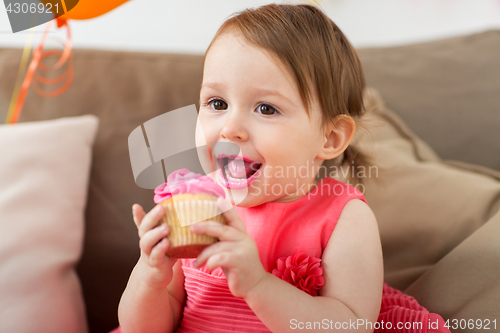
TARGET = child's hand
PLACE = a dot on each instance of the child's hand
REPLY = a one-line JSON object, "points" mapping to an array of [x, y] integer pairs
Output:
{"points": [[236, 251], [154, 245]]}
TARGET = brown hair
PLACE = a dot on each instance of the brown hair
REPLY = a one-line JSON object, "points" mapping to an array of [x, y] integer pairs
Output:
{"points": [[318, 55]]}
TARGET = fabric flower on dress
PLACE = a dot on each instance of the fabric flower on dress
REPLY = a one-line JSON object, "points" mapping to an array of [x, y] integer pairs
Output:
{"points": [[302, 271]]}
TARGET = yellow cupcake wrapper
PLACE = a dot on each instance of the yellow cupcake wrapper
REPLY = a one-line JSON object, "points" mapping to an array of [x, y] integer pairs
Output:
{"points": [[179, 214], [186, 212]]}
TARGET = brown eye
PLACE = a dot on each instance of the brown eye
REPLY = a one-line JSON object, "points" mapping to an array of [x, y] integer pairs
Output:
{"points": [[218, 104], [266, 109]]}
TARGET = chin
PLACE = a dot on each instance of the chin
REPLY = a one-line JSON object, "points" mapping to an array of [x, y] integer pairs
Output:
{"points": [[241, 199], [247, 200]]}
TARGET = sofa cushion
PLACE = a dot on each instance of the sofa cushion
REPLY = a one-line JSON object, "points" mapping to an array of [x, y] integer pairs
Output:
{"points": [[465, 284], [426, 208], [446, 90], [43, 190]]}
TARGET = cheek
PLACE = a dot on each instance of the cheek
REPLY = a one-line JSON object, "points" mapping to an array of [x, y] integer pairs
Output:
{"points": [[206, 130], [199, 135], [201, 141], [280, 147], [299, 140], [290, 147]]}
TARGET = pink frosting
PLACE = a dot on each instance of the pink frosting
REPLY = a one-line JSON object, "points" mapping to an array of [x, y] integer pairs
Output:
{"points": [[185, 181]]}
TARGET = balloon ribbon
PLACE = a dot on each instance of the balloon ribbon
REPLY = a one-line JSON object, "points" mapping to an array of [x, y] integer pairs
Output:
{"points": [[66, 56]]}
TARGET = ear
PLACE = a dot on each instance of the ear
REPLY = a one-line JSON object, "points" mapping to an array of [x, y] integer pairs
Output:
{"points": [[338, 136]]}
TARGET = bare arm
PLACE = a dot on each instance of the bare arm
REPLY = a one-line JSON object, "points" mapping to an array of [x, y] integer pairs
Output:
{"points": [[154, 298], [144, 308]]}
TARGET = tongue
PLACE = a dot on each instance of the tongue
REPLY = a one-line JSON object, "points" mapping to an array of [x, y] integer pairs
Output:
{"points": [[239, 168]]}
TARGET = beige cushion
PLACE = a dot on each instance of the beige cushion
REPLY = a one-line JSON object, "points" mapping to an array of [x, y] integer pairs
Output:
{"points": [[425, 209], [43, 190], [446, 91], [465, 284]]}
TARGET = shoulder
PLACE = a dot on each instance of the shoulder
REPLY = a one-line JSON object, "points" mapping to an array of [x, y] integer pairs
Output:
{"points": [[331, 197], [352, 260], [356, 226], [357, 212]]}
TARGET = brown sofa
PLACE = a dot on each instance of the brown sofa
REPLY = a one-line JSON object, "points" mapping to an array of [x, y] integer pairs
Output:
{"points": [[438, 218]]}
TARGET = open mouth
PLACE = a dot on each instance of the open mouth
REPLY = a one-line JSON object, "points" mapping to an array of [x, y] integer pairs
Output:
{"points": [[236, 172]]}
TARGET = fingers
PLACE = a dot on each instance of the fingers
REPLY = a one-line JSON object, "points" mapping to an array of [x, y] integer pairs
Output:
{"points": [[151, 219], [153, 237], [222, 259], [216, 229], [209, 251], [221, 253], [138, 214], [230, 214], [158, 253]]}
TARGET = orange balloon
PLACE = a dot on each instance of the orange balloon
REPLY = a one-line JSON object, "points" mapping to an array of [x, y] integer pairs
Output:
{"points": [[82, 9]]}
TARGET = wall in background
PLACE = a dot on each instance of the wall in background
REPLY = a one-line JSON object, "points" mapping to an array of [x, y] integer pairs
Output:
{"points": [[188, 26]]}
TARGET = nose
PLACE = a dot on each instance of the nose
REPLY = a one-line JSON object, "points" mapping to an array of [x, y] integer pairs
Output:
{"points": [[234, 128]]}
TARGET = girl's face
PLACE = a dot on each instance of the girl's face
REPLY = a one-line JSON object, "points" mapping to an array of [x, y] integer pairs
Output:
{"points": [[250, 100]]}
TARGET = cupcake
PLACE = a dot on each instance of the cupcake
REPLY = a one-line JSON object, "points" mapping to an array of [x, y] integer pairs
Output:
{"points": [[188, 198]]}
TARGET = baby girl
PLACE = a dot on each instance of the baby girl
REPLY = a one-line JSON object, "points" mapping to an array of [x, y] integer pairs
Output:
{"points": [[283, 84]]}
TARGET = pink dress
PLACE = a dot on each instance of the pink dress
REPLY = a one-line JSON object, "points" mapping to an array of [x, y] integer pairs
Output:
{"points": [[291, 238]]}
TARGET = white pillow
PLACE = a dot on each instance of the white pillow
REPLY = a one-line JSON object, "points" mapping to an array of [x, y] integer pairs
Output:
{"points": [[44, 173]]}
